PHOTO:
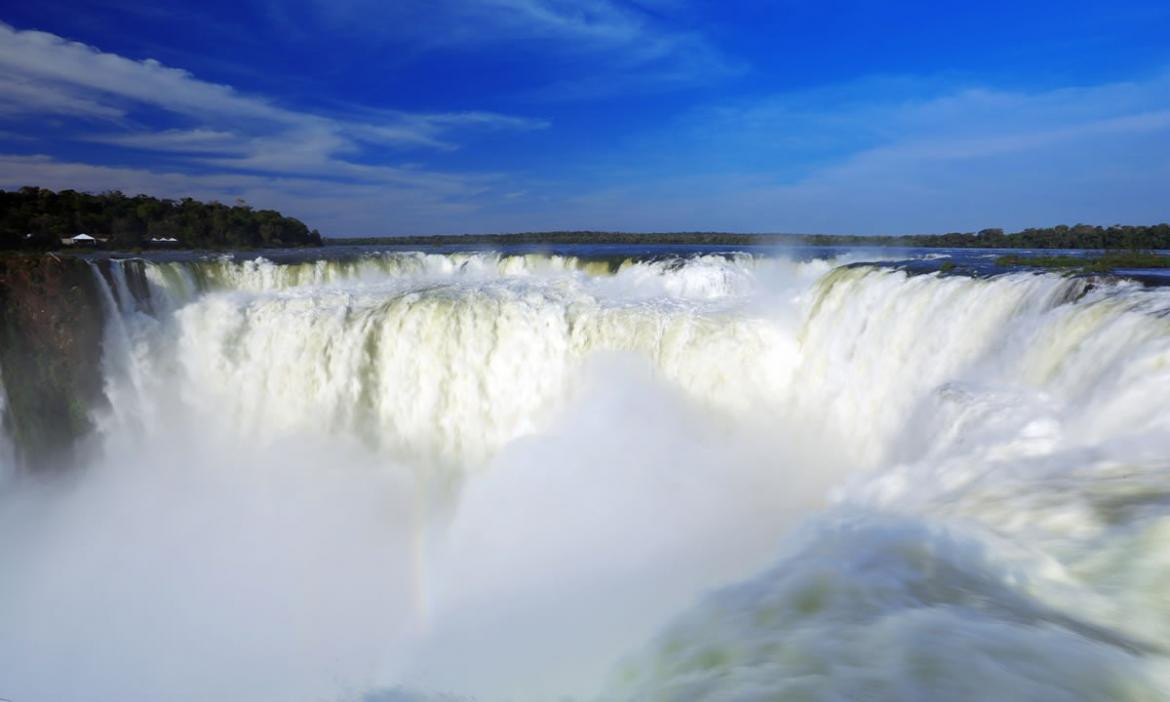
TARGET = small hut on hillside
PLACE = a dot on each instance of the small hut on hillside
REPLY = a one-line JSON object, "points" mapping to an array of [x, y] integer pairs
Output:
{"points": [[80, 240]]}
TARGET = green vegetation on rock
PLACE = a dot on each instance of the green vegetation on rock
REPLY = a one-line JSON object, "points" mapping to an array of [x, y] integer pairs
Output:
{"points": [[1090, 264]]}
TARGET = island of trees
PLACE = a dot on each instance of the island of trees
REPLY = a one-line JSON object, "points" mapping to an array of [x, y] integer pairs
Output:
{"points": [[36, 218]]}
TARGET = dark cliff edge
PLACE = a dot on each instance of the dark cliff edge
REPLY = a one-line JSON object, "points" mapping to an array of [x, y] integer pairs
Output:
{"points": [[51, 328]]}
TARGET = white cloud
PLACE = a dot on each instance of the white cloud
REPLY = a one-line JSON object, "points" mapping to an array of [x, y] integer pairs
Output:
{"points": [[19, 96], [70, 68], [590, 24], [257, 149], [880, 111], [47, 75]]}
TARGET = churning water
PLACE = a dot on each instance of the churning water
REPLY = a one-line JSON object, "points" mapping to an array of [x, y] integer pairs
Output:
{"points": [[410, 476]]}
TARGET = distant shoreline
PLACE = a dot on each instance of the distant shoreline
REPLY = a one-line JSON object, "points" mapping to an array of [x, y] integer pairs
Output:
{"points": [[1060, 237]]}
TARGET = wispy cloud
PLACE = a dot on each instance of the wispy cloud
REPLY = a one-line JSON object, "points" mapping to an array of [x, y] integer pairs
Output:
{"points": [[647, 53], [886, 155], [24, 95], [255, 145], [591, 24], [795, 133], [46, 74], [603, 47]]}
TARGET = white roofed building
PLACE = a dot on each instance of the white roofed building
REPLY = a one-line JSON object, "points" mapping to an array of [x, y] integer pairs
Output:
{"points": [[80, 240]]}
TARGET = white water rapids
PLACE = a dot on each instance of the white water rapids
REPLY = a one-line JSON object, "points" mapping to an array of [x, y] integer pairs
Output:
{"points": [[473, 476]]}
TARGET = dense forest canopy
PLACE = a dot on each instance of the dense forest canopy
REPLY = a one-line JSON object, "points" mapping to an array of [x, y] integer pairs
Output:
{"points": [[1080, 236], [40, 218]]}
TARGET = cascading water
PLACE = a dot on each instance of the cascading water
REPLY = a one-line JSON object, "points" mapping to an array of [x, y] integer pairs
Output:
{"points": [[7, 455], [1005, 542], [415, 476]]}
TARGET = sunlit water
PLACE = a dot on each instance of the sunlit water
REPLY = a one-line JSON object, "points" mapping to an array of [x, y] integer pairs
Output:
{"points": [[447, 476]]}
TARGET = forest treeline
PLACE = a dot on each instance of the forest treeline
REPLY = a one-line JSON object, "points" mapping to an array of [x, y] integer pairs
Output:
{"points": [[36, 218], [1080, 236]]}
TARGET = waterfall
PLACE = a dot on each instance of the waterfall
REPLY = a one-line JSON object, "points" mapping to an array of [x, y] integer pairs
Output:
{"points": [[707, 477]]}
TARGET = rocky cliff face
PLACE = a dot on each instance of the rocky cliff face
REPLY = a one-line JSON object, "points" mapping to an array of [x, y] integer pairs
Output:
{"points": [[51, 324]]}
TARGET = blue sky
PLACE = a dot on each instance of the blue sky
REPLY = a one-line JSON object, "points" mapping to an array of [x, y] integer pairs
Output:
{"points": [[436, 116]]}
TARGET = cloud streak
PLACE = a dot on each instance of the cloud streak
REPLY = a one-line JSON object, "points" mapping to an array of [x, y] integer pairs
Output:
{"points": [[46, 74], [603, 48], [892, 156], [253, 146]]}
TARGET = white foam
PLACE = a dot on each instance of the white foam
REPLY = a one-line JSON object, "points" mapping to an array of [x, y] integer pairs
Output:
{"points": [[494, 475]]}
